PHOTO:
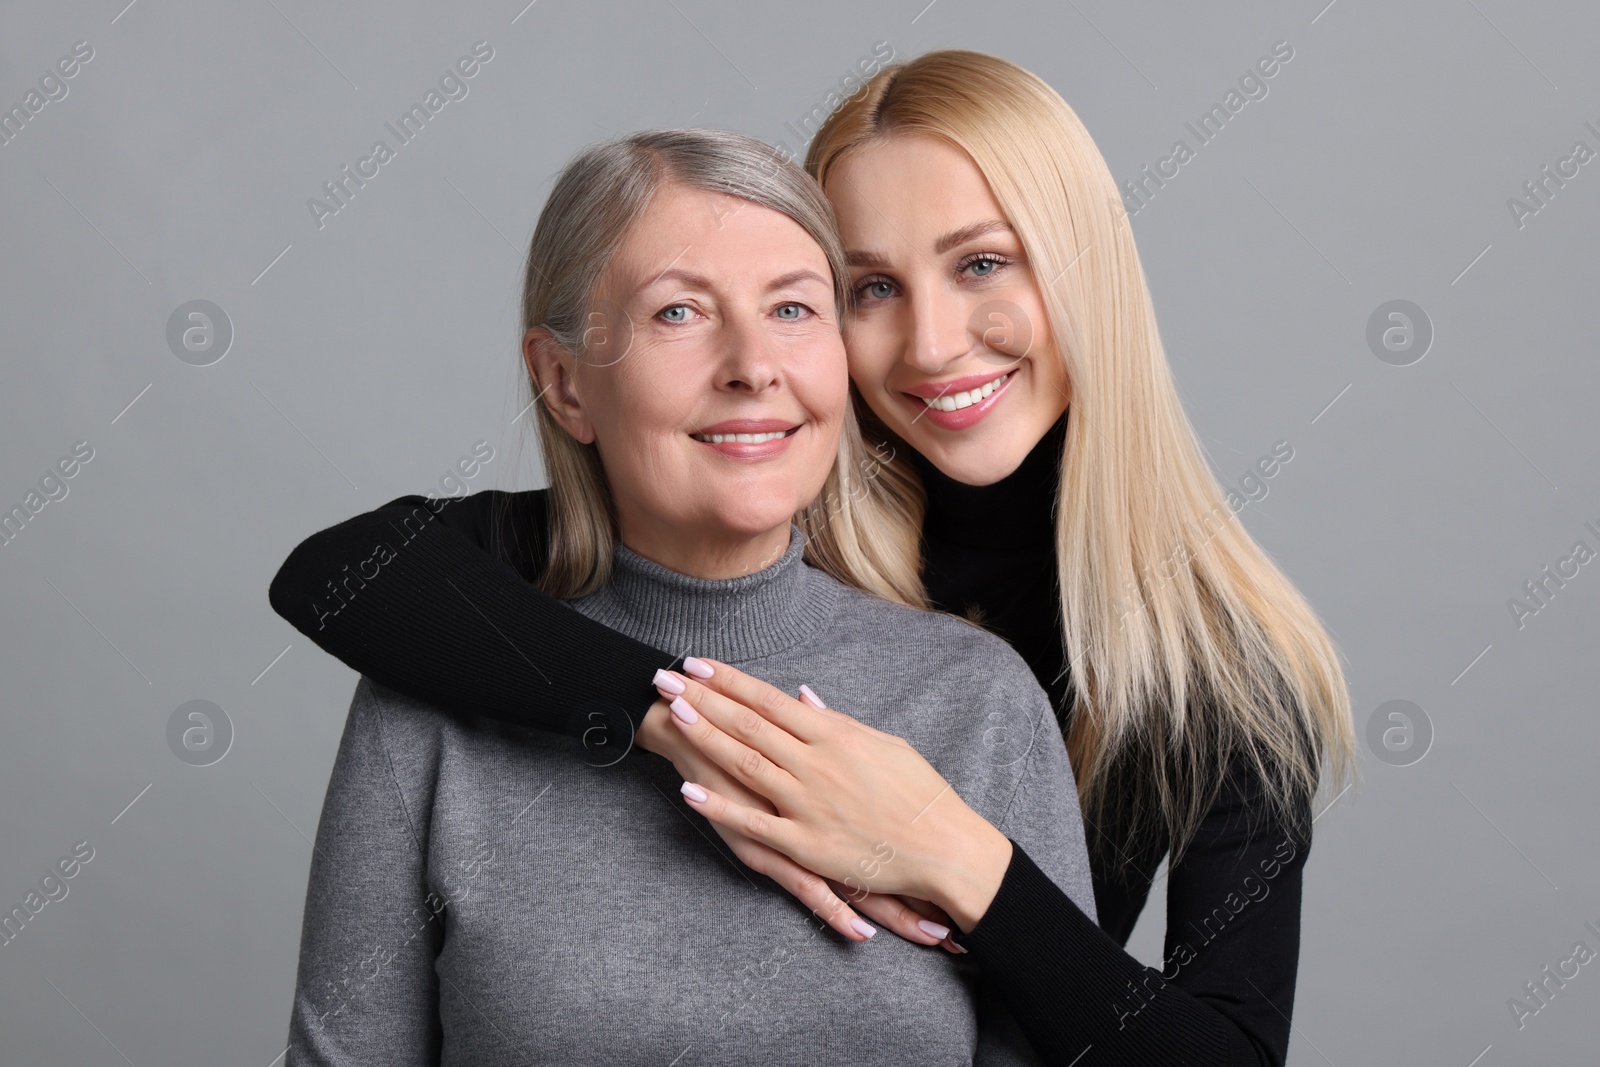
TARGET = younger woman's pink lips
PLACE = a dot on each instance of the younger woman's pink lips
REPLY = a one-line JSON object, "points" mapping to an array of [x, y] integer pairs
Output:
{"points": [[962, 418], [752, 449]]}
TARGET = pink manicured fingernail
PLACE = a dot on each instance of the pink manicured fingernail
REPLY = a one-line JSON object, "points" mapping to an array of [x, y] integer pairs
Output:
{"points": [[811, 698], [693, 792], [862, 927], [697, 667], [665, 680], [686, 714], [933, 929], [959, 950]]}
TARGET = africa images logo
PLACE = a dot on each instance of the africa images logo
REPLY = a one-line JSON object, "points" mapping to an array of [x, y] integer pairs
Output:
{"points": [[341, 189]]}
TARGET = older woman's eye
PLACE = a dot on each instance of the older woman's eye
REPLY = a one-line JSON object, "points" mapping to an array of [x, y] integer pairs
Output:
{"points": [[675, 313], [791, 312]]}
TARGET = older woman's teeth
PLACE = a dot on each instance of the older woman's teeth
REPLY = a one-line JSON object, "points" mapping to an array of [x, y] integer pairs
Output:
{"points": [[741, 438], [957, 401]]}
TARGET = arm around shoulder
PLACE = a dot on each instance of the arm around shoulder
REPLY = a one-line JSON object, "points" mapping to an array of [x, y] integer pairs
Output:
{"points": [[435, 599]]}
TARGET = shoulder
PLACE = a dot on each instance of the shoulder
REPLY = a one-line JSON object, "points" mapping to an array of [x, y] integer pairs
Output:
{"points": [[947, 686], [416, 732], [402, 725], [933, 640], [512, 526], [414, 741], [1243, 817], [487, 508], [424, 754]]}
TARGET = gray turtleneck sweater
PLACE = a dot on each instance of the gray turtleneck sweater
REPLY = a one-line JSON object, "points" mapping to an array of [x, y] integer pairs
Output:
{"points": [[480, 894]]}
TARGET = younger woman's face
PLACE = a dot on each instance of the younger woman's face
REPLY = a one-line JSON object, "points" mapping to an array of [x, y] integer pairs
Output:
{"points": [[949, 343]]}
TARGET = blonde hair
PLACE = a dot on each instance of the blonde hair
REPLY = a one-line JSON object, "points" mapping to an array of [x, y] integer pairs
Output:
{"points": [[855, 536], [1222, 660]]}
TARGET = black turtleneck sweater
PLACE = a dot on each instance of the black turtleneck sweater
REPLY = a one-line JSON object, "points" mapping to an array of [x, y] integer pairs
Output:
{"points": [[434, 599]]}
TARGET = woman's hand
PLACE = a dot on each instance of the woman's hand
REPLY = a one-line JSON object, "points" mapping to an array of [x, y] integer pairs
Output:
{"points": [[853, 804], [913, 920]]}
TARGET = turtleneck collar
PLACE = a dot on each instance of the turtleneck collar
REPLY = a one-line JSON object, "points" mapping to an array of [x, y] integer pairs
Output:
{"points": [[730, 619], [1016, 511]]}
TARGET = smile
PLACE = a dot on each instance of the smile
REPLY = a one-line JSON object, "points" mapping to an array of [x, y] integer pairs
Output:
{"points": [[742, 438], [957, 401]]}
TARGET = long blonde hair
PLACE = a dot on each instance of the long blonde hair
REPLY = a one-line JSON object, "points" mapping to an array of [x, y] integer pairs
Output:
{"points": [[1173, 676], [857, 537]]}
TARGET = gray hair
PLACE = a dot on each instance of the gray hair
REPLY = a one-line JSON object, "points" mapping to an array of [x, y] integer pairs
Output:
{"points": [[601, 194]]}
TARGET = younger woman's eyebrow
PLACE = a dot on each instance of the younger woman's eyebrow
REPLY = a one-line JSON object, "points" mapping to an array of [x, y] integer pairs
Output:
{"points": [[968, 233], [878, 261]]}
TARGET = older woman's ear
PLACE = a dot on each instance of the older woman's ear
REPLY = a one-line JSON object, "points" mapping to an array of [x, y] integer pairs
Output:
{"points": [[551, 367]]}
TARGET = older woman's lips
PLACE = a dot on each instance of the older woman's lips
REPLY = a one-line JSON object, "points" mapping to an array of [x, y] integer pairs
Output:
{"points": [[748, 438]]}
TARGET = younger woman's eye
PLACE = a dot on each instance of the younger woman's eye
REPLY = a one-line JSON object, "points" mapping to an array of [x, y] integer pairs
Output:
{"points": [[675, 313], [982, 266], [875, 289]]}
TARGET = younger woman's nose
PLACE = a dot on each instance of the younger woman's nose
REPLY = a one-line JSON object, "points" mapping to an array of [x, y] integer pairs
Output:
{"points": [[939, 331]]}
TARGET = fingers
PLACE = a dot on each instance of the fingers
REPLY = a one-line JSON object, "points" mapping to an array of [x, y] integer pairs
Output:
{"points": [[827, 899], [813, 701], [693, 703], [894, 915], [858, 724], [810, 890], [934, 914], [733, 718], [763, 827], [767, 701], [926, 910], [655, 733], [746, 765]]}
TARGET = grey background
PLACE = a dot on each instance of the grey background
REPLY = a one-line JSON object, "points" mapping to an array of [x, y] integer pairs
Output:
{"points": [[376, 350]]}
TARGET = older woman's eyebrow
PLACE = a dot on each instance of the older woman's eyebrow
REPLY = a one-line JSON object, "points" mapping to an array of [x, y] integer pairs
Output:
{"points": [[672, 274], [700, 281], [783, 281]]}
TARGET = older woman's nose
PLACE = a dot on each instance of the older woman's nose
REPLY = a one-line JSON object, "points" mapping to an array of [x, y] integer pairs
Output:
{"points": [[748, 361]]}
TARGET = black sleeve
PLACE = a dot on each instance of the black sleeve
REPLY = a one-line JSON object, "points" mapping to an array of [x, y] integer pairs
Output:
{"points": [[434, 598], [1232, 950]]}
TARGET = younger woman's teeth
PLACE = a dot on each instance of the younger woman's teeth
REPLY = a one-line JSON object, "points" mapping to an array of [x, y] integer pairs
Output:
{"points": [[740, 438], [957, 401]]}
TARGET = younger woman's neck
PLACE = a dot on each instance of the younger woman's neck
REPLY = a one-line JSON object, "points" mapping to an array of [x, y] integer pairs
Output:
{"points": [[1015, 511]]}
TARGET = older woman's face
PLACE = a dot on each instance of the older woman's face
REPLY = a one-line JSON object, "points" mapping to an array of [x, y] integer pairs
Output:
{"points": [[717, 391], [949, 344]]}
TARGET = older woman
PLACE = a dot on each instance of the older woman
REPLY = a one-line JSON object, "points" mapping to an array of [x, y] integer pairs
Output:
{"points": [[477, 895]]}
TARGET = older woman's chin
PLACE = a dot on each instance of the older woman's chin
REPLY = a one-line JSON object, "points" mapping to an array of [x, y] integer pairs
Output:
{"points": [[753, 518], [758, 502]]}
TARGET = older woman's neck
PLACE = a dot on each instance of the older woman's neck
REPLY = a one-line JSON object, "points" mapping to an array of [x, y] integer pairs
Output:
{"points": [[706, 554]]}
